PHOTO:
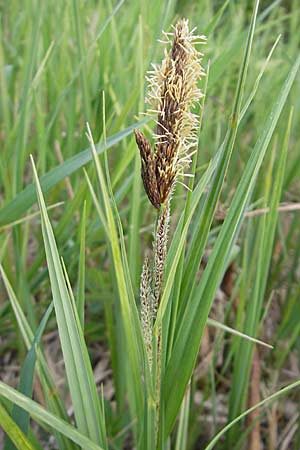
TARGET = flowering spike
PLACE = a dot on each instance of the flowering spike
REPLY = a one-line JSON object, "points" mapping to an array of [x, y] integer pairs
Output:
{"points": [[146, 309], [172, 92], [160, 253]]}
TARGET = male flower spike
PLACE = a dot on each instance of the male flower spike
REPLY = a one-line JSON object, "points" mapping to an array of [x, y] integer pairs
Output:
{"points": [[172, 93]]}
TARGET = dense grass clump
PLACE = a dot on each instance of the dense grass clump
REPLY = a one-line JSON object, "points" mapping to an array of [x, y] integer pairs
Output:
{"points": [[149, 264]]}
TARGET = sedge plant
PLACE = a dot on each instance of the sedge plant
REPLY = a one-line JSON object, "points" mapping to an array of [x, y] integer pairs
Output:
{"points": [[173, 91], [154, 337]]}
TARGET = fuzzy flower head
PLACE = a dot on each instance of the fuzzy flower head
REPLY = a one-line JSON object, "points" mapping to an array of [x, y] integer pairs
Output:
{"points": [[172, 93]]}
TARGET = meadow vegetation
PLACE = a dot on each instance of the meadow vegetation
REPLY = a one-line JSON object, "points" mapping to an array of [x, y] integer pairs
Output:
{"points": [[84, 361]]}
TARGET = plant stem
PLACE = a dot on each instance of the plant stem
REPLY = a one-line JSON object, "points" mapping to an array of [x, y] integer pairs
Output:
{"points": [[160, 252]]}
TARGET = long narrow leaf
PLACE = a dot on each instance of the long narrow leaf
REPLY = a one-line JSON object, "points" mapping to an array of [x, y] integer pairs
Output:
{"points": [[128, 309], [200, 238], [53, 400], [272, 397], [20, 416], [81, 270], [78, 368], [267, 227], [40, 414], [25, 199], [13, 431]]}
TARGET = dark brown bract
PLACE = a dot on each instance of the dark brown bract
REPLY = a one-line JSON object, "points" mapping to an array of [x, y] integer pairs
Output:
{"points": [[148, 168]]}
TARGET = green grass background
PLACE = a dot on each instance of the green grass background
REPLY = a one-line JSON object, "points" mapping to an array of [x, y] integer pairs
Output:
{"points": [[56, 59]]}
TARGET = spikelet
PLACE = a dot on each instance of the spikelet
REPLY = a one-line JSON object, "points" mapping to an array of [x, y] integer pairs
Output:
{"points": [[172, 93], [160, 253], [147, 309]]}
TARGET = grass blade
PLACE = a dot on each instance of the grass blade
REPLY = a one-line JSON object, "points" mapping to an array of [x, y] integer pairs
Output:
{"points": [[265, 238], [200, 238], [128, 310], [230, 330], [40, 414], [81, 270], [78, 368], [272, 397], [13, 431], [25, 199], [182, 433], [21, 417], [54, 402]]}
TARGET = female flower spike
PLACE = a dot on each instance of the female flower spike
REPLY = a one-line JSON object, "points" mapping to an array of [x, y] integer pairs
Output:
{"points": [[172, 93]]}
